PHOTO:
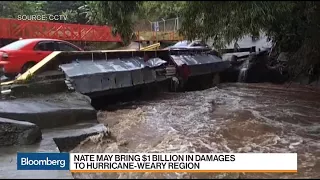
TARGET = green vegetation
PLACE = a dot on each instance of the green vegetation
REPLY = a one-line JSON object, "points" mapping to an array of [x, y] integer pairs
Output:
{"points": [[293, 26], [156, 10], [120, 15], [11, 9]]}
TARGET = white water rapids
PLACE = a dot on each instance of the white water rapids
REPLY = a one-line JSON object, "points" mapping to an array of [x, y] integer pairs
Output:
{"points": [[229, 118]]}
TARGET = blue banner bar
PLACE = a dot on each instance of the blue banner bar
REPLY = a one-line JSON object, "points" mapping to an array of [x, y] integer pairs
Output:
{"points": [[43, 161]]}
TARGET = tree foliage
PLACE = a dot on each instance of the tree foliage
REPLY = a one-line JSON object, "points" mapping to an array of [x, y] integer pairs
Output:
{"points": [[229, 20], [67, 8], [119, 14], [293, 26], [156, 10], [91, 12], [12, 9]]}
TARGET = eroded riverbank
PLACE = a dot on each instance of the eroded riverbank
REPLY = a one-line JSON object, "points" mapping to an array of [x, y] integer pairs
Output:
{"points": [[229, 118]]}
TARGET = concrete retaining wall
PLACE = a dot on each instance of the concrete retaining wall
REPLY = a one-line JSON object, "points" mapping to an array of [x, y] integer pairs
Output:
{"points": [[50, 111]]}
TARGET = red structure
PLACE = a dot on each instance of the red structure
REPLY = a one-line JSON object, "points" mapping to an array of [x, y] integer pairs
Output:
{"points": [[15, 29]]}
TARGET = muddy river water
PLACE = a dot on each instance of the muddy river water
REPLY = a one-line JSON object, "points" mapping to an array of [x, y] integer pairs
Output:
{"points": [[229, 118]]}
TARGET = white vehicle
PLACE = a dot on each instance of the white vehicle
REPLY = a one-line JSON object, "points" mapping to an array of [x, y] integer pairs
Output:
{"points": [[189, 45]]}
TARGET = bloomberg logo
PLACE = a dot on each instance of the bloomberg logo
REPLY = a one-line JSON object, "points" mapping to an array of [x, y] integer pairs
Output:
{"points": [[43, 161]]}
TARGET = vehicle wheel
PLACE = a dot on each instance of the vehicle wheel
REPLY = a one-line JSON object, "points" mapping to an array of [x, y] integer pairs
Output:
{"points": [[27, 66]]}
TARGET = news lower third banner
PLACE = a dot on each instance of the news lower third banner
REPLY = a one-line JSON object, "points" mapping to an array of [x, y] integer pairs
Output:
{"points": [[159, 162]]}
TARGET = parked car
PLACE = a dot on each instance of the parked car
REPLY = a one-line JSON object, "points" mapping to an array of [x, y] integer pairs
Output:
{"points": [[189, 45], [181, 45], [21, 55]]}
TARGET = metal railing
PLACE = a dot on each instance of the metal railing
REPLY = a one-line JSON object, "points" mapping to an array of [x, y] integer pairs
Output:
{"points": [[15, 29], [151, 47], [164, 30], [163, 25]]}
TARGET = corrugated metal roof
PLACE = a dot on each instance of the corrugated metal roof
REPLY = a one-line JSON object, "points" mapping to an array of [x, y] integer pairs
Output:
{"points": [[195, 59], [105, 66], [101, 75]]}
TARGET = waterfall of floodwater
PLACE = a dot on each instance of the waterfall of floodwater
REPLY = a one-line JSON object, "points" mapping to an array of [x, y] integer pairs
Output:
{"points": [[243, 71]]}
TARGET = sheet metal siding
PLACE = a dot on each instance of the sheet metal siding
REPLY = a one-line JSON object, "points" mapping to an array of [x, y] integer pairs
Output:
{"points": [[200, 64], [101, 75]]}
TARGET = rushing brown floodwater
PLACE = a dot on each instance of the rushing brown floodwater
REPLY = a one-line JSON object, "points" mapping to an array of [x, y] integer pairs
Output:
{"points": [[230, 118]]}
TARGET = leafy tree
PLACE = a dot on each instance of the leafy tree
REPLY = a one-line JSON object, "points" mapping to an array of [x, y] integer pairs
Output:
{"points": [[68, 8], [293, 26], [91, 12], [72, 16], [12, 9], [120, 15], [228, 20], [156, 10]]}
